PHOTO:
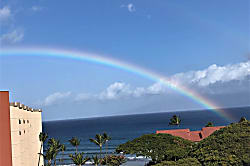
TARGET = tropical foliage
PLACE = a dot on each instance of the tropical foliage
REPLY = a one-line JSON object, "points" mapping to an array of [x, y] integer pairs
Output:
{"points": [[181, 162], [243, 119], [63, 148], [209, 124], [96, 160], [106, 138], [113, 160], [175, 120], [99, 141], [51, 152], [75, 142], [227, 146], [159, 147], [42, 138], [54, 147], [78, 158]]}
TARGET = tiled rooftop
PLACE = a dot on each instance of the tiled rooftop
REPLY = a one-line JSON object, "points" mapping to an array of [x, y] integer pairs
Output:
{"points": [[191, 135]]}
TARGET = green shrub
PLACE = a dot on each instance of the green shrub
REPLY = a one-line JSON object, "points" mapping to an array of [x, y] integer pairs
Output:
{"points": [[159, 147], [112, 160], [227, 146], [181, 162]]}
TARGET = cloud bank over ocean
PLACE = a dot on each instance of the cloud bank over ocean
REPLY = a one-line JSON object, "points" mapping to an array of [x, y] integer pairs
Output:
{"points": [[214, 74], [214, 80]]}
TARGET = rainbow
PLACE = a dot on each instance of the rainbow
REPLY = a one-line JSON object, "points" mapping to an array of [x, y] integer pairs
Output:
{"points": [[104, 60]]}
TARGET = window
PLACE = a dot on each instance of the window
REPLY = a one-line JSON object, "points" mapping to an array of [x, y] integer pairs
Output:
{"points": [[28, 121], [24, 131], [20, 121], [23, 121], [20, 132]]}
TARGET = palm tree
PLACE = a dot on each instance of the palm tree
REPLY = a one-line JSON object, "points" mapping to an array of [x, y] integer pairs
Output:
{"points": [[54, 148], [209, 124], [175, 120], [106, 138], [63, 148], [48, 156], [242, 119], [96, 160], [42, 137], [78, 159], [75, 142], [99, 141]]}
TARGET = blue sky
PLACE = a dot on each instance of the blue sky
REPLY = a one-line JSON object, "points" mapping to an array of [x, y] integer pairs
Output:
{"points": [[203, 41]]}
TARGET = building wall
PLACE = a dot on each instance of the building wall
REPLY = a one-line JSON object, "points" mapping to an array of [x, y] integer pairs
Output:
{"points": [[26, 125], [5, 139]]}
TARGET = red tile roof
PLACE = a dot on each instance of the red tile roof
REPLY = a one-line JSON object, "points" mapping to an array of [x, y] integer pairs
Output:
{"points": [[207, 131], [191, 135]]}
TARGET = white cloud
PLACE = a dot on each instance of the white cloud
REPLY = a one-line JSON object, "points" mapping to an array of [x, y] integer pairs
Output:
{"points": [[138, 92], [212, 80], [10, 34], [201, 79], [5, 13], [36, 8], [157, 88], [115, 90], [83, 96], [12, 37], [130, 7], [119, 90], [54, 98], [214, 74]]}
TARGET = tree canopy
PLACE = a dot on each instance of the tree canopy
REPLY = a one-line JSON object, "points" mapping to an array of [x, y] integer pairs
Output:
{"points": [[209, 124], [243, 119], [227, 146], [157, 146], [175, 120]]}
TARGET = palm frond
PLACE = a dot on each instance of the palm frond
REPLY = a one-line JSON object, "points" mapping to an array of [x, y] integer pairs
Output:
{"points": [[94, 141]]}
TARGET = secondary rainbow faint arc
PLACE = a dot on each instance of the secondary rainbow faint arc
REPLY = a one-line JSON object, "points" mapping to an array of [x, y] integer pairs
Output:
{"points": [[91, 57]]}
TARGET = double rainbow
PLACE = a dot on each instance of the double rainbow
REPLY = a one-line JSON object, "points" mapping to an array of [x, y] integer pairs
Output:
{"points": [[94, 58]]}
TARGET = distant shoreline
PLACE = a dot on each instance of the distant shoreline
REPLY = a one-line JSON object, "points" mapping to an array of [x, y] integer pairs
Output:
{"points": [[149, 113]]}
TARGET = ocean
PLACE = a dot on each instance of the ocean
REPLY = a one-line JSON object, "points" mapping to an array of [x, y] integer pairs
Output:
{"points": [[127, 127]]}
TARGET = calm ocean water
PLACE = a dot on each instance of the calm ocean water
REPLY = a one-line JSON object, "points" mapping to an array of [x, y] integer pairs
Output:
{"points": [[128, 127]]}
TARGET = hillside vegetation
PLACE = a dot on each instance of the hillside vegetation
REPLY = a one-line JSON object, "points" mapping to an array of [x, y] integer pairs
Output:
{"points": [[159, 147], [227, 146]]}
